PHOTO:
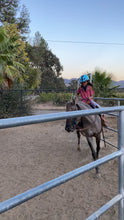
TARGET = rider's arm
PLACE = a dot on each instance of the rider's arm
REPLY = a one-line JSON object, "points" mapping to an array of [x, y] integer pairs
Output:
{"points": [[76, 97], [78, 92]]}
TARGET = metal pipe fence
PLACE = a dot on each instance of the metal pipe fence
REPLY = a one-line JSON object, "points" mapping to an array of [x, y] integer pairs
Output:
{"points": [[114, 99], [27, 120], [117, 100]]}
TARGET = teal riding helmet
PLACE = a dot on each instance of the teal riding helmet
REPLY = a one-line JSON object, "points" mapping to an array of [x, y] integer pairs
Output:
{"points": [[84, 78]]}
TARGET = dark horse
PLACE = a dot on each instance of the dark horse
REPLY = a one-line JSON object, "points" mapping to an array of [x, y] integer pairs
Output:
{"points": [[90, 126]]}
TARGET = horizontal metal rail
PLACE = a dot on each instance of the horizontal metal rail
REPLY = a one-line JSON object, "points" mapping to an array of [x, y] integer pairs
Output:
{"points": [[21, 198], [116, 115], [104, 208], [107, 142], [27, 120], [111, 129], [113, 99]]}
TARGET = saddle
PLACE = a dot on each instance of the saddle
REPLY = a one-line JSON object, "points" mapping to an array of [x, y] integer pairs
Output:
{"points": [[103, 121]]}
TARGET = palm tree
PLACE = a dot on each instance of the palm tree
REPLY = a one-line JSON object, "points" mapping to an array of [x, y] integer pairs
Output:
{"points": [[9, 66], [102, 84]]}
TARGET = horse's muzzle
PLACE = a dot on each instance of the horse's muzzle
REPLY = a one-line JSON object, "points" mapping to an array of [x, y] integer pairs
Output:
{"points": [[69, 129]]}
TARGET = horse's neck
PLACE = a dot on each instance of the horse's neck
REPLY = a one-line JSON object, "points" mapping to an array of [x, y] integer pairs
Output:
{"points": [[83, 105]]}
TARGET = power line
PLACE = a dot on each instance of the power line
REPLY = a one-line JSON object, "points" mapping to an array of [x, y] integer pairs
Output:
{"points": [[87, 42]]}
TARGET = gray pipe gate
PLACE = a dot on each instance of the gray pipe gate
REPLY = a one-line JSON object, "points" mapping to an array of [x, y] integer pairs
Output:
{"points": [[27, 120]]}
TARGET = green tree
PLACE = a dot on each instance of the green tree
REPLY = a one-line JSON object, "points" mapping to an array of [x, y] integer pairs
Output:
{"points": [[8, 9], [37, 39], [32, 78], [42, 58], [102, 84], [73, 84], [23, 22], [8, 13]]}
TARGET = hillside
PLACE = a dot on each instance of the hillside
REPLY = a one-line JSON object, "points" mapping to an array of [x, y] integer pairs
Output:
{"points": [[114, 83], [67, 81], [121, 83]]}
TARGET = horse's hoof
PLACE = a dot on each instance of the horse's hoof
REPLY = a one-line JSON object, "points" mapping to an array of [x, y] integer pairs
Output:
{"points": [[78, 149], [98, 175]]}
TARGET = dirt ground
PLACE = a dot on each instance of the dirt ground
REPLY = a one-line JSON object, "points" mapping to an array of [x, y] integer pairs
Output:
{"points": [[31, 155]]}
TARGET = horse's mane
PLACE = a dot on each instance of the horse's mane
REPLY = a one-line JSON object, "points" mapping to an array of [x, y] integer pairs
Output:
{"points": [[83, 105]]}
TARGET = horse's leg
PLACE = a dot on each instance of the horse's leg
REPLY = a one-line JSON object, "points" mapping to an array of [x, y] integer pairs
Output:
{"points": [[78, 135], [89, 140], [98, 145], [103, 137]]}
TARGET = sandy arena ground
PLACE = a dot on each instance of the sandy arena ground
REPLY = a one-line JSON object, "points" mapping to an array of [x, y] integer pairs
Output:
{"points": [[31, 155]]}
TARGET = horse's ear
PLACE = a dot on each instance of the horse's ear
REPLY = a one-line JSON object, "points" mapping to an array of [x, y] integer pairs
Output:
{"points": [[78, 107], [73, 101]]}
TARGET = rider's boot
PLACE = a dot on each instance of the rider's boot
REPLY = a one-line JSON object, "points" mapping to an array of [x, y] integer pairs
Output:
{"points": [[103, 121]]}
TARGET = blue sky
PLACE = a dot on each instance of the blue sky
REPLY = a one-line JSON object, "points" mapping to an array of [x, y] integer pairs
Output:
{"points": [[100, 21]]}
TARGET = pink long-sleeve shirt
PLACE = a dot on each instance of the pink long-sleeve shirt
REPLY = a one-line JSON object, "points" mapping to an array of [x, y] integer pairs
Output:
{"points": [[85, 94]]}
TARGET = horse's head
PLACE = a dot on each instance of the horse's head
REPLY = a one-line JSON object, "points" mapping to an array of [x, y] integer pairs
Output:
{"points": [[71, 122]]}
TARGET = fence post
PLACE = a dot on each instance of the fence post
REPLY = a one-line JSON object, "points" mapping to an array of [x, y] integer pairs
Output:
{"points": [[121, 162], [21, 91], [118, 102]]}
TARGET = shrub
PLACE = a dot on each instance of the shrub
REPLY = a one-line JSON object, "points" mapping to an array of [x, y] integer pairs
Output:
{"points": [[12, 104], [56, 98], [120, 95]]}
